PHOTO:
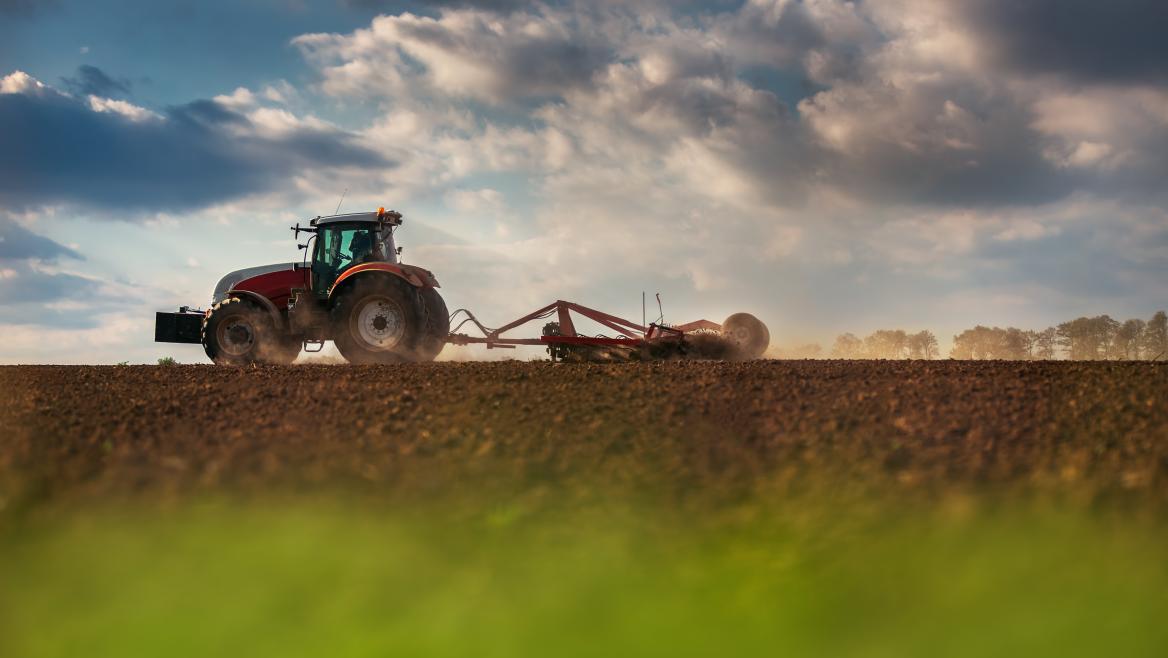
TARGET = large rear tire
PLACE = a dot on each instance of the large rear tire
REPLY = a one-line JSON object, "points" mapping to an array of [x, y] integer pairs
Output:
{"points": [[747, 334], [377, 319], [239, 332], [437, 327]]}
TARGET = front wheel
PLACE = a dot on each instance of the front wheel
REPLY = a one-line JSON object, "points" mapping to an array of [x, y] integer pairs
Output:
{"points": [[376, 320], [238, 332]]}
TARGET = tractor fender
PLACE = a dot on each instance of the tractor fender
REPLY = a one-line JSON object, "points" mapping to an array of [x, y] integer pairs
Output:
{"points": [[416, 276], [264, 302]]}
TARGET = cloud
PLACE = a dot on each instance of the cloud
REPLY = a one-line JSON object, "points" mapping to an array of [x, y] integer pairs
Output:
{"points": [[28, 284], [33, 286], [930, 115], [91, 80], [19, 82], [462, 53], [19, 243], [1085, 40], [905, 103], [114, 156]]}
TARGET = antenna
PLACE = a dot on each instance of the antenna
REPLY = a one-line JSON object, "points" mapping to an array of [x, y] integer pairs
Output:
{"points": [[338, 210], [661, 316]]}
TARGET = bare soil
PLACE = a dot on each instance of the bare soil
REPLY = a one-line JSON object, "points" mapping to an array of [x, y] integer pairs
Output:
{"points": [[712, 430]]}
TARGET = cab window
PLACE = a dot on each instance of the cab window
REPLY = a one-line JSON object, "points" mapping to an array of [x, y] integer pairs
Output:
{"points": [[337, 249]]}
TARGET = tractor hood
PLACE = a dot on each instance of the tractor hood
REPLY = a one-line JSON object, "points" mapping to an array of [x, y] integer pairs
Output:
{"points": [[232, 278]]}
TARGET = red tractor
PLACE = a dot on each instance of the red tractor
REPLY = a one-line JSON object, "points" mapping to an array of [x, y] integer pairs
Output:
{"points": [[355, 292]]}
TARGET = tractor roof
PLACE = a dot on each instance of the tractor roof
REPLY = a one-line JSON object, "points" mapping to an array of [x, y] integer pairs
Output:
{"points": [[380, 215]]}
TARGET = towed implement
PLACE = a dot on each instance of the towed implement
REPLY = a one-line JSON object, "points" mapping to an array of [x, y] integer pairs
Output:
{"points": [[351, 288]]}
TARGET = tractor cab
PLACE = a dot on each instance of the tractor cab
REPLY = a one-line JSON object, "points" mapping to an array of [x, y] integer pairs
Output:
{"points": [[342, 241]]}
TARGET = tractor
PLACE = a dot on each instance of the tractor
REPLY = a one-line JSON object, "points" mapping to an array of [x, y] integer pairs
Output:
{"points": [[354, 292], [357, 293]]}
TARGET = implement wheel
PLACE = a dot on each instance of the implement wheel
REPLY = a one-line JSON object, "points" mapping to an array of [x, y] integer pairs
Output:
{"points": [[747, 334], [377, 319]]}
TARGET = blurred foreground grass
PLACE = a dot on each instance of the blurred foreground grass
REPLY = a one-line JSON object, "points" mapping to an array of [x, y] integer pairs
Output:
{"points": [[609, 577]]}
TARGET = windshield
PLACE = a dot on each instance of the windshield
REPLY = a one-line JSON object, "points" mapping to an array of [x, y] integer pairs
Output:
{"points": [[339, 248]]}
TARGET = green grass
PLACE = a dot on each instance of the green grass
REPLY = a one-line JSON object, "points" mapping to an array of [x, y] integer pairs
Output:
{"points": [[601, 578]]}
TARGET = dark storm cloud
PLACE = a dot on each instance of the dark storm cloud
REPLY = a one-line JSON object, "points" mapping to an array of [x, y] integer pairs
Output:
{"points": [[55, 149], [204, 114], [1006, 169], [1112, 40], [19, 243], [91, 80]]}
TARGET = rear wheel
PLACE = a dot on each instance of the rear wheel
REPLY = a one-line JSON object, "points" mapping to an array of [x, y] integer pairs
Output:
{"points": [[437, 325], [238, 332], [747, 334], [377, 320]]}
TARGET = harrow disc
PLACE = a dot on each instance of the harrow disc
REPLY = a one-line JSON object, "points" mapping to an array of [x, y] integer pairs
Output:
{"points": [[748, 334]]}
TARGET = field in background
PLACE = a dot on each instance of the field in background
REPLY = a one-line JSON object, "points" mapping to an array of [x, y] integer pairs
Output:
{"points": [[812, 508]]}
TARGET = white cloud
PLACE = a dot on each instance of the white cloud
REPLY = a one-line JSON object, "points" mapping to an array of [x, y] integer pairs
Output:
{"points": [[19, 82], [124, 108], [1102, 127], [462, 53], [241, 98]]}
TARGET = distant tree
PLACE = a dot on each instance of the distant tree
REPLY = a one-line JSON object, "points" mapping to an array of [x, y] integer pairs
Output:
{"points": [[1155, 338], [1104, 329], [922, 345], [1072, 338], [887, 344], [1045, 342], [847, 346], [978, 343], [1031, 339], [964, 346], [1011, 343], [1127, 341], [1087, 338]]}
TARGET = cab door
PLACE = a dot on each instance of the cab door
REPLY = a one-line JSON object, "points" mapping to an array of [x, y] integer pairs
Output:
{"points": [[338, 247]]}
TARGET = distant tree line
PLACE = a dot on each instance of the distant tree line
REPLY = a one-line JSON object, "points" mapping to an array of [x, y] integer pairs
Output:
{"points": [[886, 344], [1081, 339]]}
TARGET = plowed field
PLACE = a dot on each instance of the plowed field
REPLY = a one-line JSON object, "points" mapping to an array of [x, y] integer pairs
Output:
{"points": [[706, 429]]}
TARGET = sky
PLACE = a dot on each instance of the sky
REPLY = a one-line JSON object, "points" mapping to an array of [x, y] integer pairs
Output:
{"points": [[828, 166]]}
